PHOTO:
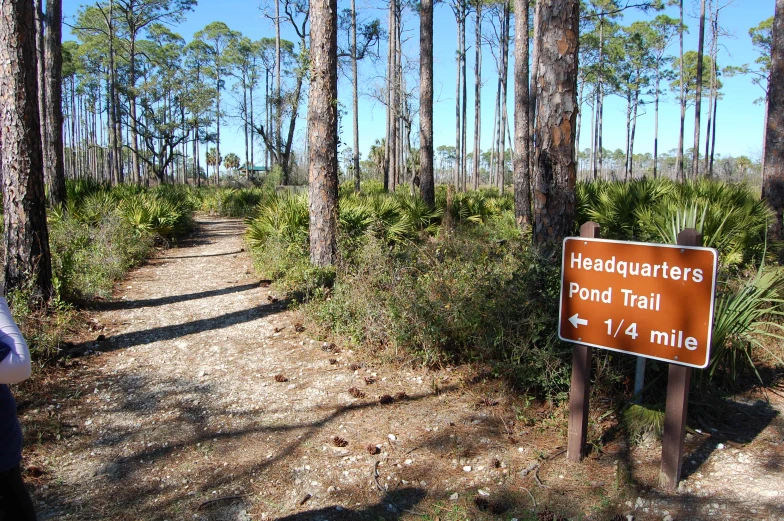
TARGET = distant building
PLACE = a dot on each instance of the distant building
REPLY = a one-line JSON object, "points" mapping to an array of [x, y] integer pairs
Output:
{"points": [[255, 170]]}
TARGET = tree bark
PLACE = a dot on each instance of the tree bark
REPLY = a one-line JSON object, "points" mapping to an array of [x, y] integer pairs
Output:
{"points": [[217, 121], [711, 127], [458, 78], [695, 157], [478, 97], [26, 244], [395, 117], [628, 135], [245, 124], [135, 165], [504, 83], [522, 177], [323, 132], [355, 94], [556, 109], [632, 132], [54, 162], [773, 176], [494, 142], [597, 156], [278, 102], [656, 125], [427, 180], [713, 136], [580, 99], [681, 136], [532, 87], [40, 54]]}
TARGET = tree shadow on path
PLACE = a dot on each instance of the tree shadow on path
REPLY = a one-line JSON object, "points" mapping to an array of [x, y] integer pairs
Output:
{"points": [[162, 301]]}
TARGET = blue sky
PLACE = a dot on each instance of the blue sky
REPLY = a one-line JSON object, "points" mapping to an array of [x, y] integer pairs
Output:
{"points": [[740, 120]]}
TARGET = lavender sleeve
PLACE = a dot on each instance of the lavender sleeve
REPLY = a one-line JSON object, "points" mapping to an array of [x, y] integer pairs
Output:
{"points": [[15, 364]]}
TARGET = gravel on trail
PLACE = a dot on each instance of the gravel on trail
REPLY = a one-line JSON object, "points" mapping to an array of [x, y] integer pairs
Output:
{"points": [[203, 397]]}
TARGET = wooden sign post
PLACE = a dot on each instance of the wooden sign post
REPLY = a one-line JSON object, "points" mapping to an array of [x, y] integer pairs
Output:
{"points": [[649, 300], [678, 380], [581, 382]]}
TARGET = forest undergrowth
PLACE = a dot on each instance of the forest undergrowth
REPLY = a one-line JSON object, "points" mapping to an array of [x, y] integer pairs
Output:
{"points": [[458, 283], [95, 238], [461, 283]]}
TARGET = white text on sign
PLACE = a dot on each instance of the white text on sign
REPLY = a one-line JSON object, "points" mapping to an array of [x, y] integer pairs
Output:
{"points": [[635, 269]]}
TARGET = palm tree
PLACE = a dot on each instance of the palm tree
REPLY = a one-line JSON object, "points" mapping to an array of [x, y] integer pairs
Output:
{"points": [[231, 161], [214, 160]]}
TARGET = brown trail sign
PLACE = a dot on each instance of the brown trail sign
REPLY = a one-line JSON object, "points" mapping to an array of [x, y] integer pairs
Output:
{"points": [[651, 300]]}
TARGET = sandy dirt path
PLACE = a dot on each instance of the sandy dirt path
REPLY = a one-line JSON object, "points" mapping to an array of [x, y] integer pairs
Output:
{"points": [[206, 399]]}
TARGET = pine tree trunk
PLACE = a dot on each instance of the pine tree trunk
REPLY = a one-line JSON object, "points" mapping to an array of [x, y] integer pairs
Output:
{"points": [[522, 177], [599, 131], [458, 79], [656, 126], [427, 179], [695, 158], [276, 140], [711, 127], [579, 122], [633, 131], [532, 87], [355, 95], [464, 79], [504, 83], [26, 237], [136, 167], [593, 146], [74, 144], [40, 55], [713, 136], [394, 130], [628, 136], [110, 106], [115, 95], [399, 97], [252, 88], [53, 143], [388, 96], [681, 136], [267, 117], [323, 132], [773, 176], [597, 155], [556, 109], [477, 97], [494, 142], [217, 125]]}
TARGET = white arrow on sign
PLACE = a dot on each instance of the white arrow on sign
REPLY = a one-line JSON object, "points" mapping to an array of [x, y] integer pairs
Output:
{"points": [[576, 321]]}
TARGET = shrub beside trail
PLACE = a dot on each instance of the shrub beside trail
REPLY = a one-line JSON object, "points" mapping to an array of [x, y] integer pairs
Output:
{"points": [[406, 288], [95, 238]]}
